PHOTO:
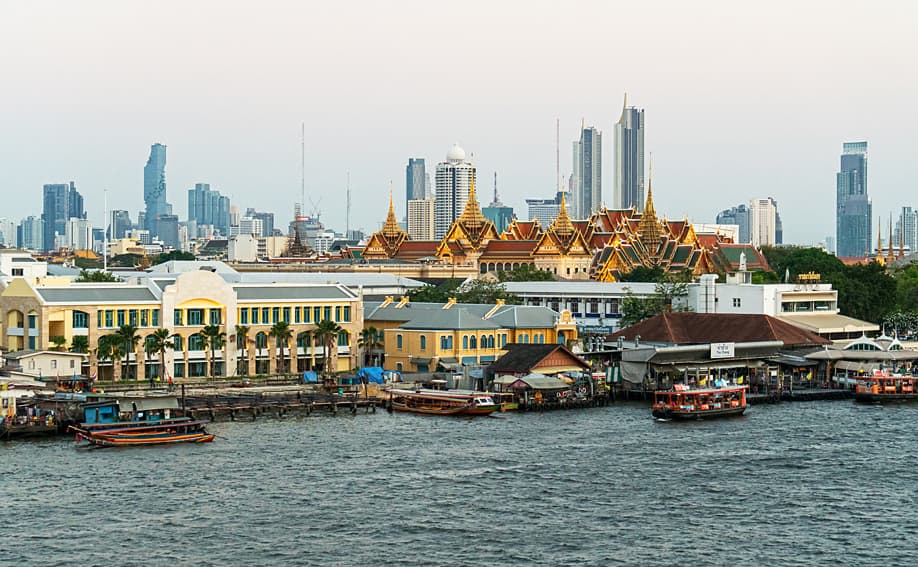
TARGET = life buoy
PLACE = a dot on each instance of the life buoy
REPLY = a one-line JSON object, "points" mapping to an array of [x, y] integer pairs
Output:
{"points": [[582, 390]]}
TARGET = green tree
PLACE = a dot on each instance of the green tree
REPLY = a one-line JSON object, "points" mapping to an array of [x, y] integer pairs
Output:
{"points": [[666, 298], [435, 293], [79, 344], [907, 287], [370, 340], [110, 348], [158, 343], [172, 255], [326, 334], [96, 276], [903, 324], [485, 291], [865, 291], [525, 273], [242, 343], [642, 274], [282, 334], [213, 338], [128, 337], [126, 260], [58, 342]]}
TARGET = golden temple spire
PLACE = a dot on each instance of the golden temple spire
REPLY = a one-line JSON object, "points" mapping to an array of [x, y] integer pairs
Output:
{"points": [[649, 229], [901, 243], [472, 215], [391, 227], [562, 223], [889, 253]]}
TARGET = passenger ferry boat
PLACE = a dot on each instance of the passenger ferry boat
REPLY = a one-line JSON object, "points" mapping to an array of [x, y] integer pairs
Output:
{"points": [[883, 386], [132, 421], [684, 403], [442, 402]]}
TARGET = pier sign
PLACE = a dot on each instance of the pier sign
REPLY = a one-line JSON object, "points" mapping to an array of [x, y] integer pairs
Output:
{"points": [[722, 350]]}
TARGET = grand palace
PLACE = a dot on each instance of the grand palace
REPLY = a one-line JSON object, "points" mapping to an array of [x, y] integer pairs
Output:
{"points": [[604, 247]]}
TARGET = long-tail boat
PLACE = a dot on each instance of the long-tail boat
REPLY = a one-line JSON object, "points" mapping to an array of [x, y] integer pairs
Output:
{"points": [[883, 386], [144, 435], [442, 402], [684, 403]]}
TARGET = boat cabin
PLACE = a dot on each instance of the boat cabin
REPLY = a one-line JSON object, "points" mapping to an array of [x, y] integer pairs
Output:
{"points": [[684, 399], [117, 410], [882, 382]]}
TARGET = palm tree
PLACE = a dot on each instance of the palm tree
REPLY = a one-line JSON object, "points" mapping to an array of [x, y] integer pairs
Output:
{"points": [[79, 344], [128, 337], [242, 338], [307, 344], [59, 342], [109, 348], [326, 333], [370, 340], [157, 343], [282, 333], [213, 339]]}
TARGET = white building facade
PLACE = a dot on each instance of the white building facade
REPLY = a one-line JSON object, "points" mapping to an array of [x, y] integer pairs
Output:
{"points": [[455, 178], [421, 219], [763, 221]]}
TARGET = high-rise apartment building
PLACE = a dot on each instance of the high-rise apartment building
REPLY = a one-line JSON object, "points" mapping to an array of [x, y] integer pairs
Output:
{"points": [[168, 231], [421, 219], [587, 178], [209, 207], [78, 234], [415, 180], [267, 221], [853, 209], [154, 188], [32, 234], [455, 177], [545, 210], [119, 224], [906, 233], [629, 158], [61, 202], [8, 232], [739, 216], [762, 221]]}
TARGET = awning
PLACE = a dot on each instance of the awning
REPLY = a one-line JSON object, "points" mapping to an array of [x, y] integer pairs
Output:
{"points": [[449, 363], [147, 404], [824, 323], [557, 369], [857, 365], [418, 360]]}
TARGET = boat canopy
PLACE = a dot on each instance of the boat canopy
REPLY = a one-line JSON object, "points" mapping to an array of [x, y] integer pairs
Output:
{"points": [[371, 375]]}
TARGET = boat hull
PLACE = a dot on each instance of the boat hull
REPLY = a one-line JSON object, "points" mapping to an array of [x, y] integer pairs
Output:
{"points": [[871, 398], [699, 414], [458, 411]]}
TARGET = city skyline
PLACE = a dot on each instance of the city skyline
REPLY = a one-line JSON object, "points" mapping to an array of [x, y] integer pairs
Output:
{"points": [[222, 131]]}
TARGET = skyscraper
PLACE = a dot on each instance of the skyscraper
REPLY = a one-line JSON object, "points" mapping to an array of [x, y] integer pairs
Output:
{"points": [[154, 187], [497, 212], [853, 209], [587, 190], [119, 224], [415, 180], [629, 158], [209, 207], [455, 177], [32, 234], [61, 202], [421, 219], [739, 216], [762, 221], [906, 234], [545, 210], [267, 221]]}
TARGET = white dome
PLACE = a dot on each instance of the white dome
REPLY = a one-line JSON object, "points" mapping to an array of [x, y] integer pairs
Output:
{"points": [[455, 153]]}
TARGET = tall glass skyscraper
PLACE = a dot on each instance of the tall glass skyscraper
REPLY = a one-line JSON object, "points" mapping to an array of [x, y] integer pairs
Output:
{"points": [[154, 187], [61, 202], [629, 158], [587, 178], [853, 209], [209, 207], [415, 180]]}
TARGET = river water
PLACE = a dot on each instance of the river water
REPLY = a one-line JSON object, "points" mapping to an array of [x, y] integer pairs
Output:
{"points": [[818, 483]]}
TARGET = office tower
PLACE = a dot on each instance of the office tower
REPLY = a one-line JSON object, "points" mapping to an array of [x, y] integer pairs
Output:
{"points": [[587, 190], [209, 207], [267, 221], [497, 212], [61, 202], [906, 234], [853, 209], [78, 234], [119, 224], [545, 210], [739, 216], [629, 158], [168, 231], [421, 219], [455, 177], [830, 244], [250, 225], [762, 214], [415, 180], [154, 188], [32, 234], [8, 233], [779, 227]]}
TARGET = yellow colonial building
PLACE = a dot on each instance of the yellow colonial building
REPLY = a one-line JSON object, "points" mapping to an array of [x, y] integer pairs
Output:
{"points": [[425, 337], [34, 313]]}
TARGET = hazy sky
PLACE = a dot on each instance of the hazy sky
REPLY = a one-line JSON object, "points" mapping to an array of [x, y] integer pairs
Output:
{"points": [[741, 100]]}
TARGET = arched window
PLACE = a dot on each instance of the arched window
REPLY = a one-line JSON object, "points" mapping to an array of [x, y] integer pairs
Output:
{"points": [[483, 342], [490, 341], [465, 342], [423, 342], [195, 342], [177, 342], [473, 343], [443, 343], [261, 340]]}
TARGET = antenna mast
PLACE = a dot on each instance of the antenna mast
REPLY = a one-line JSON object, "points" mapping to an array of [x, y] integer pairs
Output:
{"points": [[558, 153], [303, 164], [347, 212], [108, 224]]}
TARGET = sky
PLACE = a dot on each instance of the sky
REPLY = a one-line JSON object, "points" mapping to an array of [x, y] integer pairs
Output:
{"points": [[742, 100]]}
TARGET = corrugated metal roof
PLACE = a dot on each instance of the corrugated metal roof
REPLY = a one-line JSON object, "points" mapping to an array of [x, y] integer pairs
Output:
{"points": [[291, 293], [453, 319], [106, 294]]}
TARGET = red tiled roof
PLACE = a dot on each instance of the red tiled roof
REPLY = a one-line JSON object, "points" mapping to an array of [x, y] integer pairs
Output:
{"points": [[703, 328]]}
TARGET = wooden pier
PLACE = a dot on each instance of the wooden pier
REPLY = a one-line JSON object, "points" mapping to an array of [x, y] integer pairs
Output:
{"points": [[250, 406], [809, 395]]}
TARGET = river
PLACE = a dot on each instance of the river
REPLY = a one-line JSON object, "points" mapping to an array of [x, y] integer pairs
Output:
{"points": [[821, 483]]}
